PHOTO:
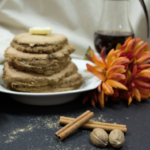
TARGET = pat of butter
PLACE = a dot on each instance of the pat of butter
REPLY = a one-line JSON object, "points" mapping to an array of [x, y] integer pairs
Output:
{"points": [[40, 30]]}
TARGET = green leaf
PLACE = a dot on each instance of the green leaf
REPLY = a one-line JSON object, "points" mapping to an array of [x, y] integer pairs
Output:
{"points": [[87, 52]]}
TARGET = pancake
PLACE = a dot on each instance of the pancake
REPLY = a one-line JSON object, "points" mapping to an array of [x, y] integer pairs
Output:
{"points": [[48, 70], [68, 83], [45, 89], [12, 54], [11, 75], [46, 64], [26, 42]]}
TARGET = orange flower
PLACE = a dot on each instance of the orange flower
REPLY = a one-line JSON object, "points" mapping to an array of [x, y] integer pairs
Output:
{"points": [[135, 51], [137, 81], [110, 72], [138, 86], [125, 72]]}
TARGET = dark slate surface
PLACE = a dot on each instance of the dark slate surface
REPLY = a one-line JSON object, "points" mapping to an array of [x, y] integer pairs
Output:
{"points": [[25, 127]]}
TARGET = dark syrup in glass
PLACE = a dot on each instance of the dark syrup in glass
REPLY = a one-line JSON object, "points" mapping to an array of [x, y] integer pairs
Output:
{"points": [[109, 39]]}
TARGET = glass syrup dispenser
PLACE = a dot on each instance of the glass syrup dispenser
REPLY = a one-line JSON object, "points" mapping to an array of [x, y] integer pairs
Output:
{"points": [[115, 26]]}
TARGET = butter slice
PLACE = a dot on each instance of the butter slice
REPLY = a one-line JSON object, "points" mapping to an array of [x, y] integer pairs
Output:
{"points": [[40, 30]]}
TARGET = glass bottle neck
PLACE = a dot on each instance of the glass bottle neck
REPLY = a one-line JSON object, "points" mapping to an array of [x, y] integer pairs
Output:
{"points": [[115, 16]]}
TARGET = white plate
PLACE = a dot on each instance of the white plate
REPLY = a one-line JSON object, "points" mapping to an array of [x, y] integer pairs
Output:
{"points": [[90, 82]]}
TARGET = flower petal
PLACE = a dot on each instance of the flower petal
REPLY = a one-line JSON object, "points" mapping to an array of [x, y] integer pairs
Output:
{"points": [[128, 55], [117, 53], [140, 49], [118, 46], [143, 58], [113, 69], [134, 71], [101, 98], [128, 39], [141, 83], [86, 71], [138, 40], [123, 47], [108, 90], [99, 87], [129, 100], [92, 102], [143, 72], [131, 44], [144, 96], [96, 59], [117, 76], [110, 57], [116, 84], [137, 94], [99, 68], [128, 77], [144, 77], [141, 54], [144, 92], [120, 71], [103, 54], [120, 61], [143, 66], [138, 44], [95, 72]]}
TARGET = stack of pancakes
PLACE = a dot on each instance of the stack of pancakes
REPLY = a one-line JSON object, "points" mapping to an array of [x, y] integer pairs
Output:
{"points": [[40, 63]]}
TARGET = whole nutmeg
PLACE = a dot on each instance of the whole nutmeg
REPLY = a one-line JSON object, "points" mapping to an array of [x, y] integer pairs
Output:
{"points": [[116, 138], [99, 137]]}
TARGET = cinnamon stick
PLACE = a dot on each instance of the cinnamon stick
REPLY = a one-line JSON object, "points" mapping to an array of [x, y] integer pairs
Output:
{"points": [[73, 125], [93, 124]]}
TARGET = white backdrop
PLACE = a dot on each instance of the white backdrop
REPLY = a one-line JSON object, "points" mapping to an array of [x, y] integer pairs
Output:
{"points": [[77, 19]]}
